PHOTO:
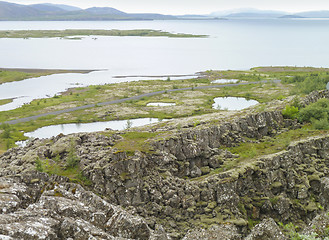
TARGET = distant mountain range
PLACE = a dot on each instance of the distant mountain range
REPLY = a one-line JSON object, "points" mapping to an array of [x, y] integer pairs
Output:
{"points": [[255, 13], [48, 11]]}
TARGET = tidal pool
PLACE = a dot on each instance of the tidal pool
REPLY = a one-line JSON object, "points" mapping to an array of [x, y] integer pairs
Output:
{"points": [[232, 103], [160, 104], [54, 130]]}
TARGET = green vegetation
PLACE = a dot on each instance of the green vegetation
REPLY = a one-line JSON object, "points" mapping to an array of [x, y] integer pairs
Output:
{"points": [[72, 160], [8, 136], [292, 231], [316, 113], [136, 141], [188, 103], [290, 112], [308, 82], [63, 166], [88, 32], [253, 149], [11, 75], [5, 101], [249, 151]]}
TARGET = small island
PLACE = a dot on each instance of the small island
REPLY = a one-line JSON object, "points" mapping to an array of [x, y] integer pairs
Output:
{"points": [[89, 32]]}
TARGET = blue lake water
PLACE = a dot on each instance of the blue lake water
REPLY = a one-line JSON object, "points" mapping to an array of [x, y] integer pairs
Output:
{"points": [[232, 44]]}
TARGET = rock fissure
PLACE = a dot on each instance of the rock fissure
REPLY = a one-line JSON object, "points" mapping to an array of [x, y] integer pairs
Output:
{"points": [[167, 193]]}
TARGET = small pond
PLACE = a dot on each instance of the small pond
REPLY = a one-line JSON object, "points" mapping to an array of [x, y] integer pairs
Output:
{"points": [[232, 103], [160, 104], [54, 130], [226, 81]]}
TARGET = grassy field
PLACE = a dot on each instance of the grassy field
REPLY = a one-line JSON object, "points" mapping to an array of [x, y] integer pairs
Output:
{"points": [[18, 74], [188, 103], [5, 101], [86, 32]]}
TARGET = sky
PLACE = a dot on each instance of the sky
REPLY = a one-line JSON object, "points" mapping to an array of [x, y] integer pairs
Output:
{"points": [[190, 6]]}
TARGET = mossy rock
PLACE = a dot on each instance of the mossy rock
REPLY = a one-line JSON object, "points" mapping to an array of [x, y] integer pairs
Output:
{"points": [[239, 222], [212, 205], [242, 209], [208, 210], [300, 186], [259, 203], [201, 204], [205, 170], [276, 185], [274, 200], [314, 177], [191, 209], [311, 207], [310, 170], [125, 176], [35, 180]]}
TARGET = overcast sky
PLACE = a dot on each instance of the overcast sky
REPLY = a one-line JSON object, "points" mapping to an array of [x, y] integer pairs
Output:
{"points": [[191, 6]]}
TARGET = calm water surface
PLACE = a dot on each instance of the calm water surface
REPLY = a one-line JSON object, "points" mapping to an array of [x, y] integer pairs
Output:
{"points": [[223, 81], [232, 103], [54, 130], [233, 44]]}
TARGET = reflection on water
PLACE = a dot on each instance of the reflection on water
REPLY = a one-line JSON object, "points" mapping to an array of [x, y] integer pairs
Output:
{"points": [[54, 130], [226, 81], [232, 103]]}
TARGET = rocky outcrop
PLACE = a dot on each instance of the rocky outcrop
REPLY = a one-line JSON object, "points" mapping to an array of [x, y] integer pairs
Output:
{"points": [[267, 229], [62, 211], [314, 97], [216, 232], [177, 190]]}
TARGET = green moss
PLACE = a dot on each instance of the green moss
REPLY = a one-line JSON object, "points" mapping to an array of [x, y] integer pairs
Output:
{"points": [[212, 205], [252, 223], [311, 207], [191, 209], [201, 204], [259, 203], [205, 170], [242, 208], [274, 200], [207, 210], [36, 180], [125, 176], [136, 141], [59, 168], [58, 194], [276, 185], [239, 222], [314, 177]]}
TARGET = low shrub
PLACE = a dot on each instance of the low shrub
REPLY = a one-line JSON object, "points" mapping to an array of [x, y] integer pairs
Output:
{"points": [[290, 112]]}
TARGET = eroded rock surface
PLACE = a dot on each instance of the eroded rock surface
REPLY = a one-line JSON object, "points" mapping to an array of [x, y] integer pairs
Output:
{"points": [[177, 190], [62, 211]]}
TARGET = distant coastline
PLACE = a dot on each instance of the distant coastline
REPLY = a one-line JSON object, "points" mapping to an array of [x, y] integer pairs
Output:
{"points": [[89, 32], [47, 71], [58, 12]]}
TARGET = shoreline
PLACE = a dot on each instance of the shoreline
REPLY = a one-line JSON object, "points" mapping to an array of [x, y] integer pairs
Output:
{"points": [[54, 71], [157, 76]]}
